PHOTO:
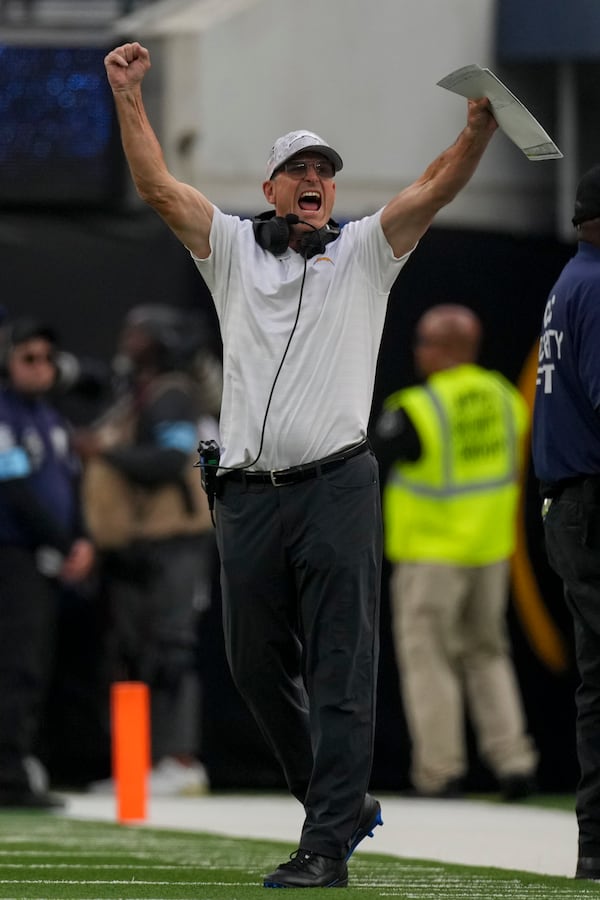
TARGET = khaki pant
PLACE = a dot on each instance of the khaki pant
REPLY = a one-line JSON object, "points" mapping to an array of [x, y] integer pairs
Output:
{"points": [[452, 649]]}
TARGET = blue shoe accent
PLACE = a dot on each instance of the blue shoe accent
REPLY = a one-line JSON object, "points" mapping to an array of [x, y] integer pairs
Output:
{"points": [[273, 884], [369, 820]]}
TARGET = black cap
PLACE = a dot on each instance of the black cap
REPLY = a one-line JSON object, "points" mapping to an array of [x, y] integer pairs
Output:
{"points": [[26, 328], [587, 197]]}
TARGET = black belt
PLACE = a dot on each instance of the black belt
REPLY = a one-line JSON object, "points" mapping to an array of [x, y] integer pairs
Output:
{"points": [[586, 485], [295, 474]]}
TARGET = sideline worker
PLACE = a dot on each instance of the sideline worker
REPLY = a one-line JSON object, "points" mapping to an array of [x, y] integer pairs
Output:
{"points": [[449, 524], [43, 550], [566, 457]]}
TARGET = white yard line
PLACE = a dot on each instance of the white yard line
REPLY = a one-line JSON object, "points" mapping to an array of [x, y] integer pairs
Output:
{"points": [[461, 831]]}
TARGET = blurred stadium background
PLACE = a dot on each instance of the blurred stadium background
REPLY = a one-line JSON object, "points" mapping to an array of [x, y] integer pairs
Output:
{"points": [[228, 77]]}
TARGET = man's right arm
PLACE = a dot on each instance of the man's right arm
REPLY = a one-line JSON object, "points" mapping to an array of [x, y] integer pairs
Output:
{"points": [[394, 438], [185, 210]]}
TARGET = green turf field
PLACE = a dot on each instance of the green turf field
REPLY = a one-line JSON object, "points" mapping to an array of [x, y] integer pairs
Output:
{"points": [[43, 857]]}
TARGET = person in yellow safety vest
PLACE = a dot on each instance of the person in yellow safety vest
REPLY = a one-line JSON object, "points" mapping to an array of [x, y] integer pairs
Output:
{"points": [[449, 508]]}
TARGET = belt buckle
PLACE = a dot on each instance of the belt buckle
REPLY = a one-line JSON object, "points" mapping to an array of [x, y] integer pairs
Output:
{"points": [[274, 473]]}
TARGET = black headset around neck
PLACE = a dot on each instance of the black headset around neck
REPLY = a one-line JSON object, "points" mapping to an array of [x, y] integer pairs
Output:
{"points": [[273, 233]]}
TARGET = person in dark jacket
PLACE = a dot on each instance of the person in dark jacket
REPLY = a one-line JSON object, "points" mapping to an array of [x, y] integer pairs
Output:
{"points": [[42, 548], [566, 457]]}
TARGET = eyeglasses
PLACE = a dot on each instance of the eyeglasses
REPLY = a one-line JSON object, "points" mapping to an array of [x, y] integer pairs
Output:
{"points": [[298, 168], [30, 359]]}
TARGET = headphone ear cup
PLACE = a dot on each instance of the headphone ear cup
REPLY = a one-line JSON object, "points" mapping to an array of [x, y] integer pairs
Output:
{"points": [[315, 242], [272, 234]]}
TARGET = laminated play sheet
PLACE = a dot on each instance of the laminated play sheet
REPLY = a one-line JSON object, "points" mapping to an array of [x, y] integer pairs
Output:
{"points": [[512, 116]]}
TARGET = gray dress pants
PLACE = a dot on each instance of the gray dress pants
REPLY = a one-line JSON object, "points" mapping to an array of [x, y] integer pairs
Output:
{"points": [[301, 572]]}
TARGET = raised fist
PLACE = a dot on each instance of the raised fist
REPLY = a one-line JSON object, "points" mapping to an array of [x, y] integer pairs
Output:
{"points": [[126, 66]]}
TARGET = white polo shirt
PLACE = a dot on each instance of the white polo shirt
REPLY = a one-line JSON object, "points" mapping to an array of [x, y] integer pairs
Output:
{"points": [[322, 399]]}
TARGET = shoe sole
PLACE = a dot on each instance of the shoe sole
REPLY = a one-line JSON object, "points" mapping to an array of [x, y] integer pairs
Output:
{"points": [[276, 884], [366, 832]]}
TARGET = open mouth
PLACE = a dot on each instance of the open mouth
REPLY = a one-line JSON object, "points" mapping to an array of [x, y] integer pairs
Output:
{"points": [[310, 201]]}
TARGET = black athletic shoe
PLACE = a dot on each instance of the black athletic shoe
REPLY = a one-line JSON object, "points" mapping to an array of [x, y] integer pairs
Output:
{"points": [[588, 867], [370, 818], [307, 869]]}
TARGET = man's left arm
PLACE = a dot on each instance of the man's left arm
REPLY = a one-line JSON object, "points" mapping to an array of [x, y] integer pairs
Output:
{"points": [[406, 218]]}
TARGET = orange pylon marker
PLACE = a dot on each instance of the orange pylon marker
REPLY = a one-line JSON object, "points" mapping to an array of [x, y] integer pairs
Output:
{"points": [[130, 730]]}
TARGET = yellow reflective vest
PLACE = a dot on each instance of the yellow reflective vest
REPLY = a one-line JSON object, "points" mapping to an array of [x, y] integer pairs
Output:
{"points": [[457, 503]]}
